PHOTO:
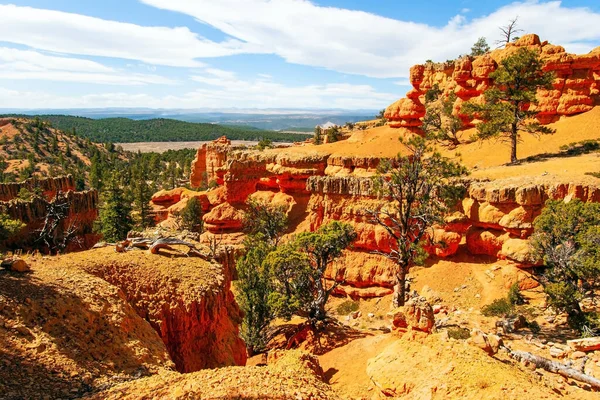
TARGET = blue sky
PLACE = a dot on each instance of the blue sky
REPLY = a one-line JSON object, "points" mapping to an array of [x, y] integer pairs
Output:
{"points": [[251, 53]]}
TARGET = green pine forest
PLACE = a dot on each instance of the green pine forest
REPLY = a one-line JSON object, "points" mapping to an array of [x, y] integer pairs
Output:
{"points": [[124, 130]]}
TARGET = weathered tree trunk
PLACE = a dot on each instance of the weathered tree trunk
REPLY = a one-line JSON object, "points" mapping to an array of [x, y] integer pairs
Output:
{"points": [[513, 144], [318, 306], [400, 288], [555, 367]]}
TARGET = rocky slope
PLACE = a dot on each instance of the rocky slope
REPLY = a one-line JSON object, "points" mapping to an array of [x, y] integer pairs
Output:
{"points": [[64, 332], [288, 375], [575, 89], [187, 301]]}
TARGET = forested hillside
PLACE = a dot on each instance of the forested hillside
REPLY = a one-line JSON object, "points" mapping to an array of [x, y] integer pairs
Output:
{"points": [[124, 130]]}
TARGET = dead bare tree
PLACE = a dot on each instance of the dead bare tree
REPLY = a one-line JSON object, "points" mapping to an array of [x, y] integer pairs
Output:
{"points": [[554, 367], [58, 231], [508, 32]]}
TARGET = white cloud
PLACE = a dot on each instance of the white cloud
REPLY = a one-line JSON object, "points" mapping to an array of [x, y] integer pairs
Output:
{"points": [[18, 64], [362, 43], [78, 34]]}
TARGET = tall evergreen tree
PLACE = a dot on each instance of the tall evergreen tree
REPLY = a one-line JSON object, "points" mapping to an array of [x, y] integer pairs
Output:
{"points": [[507, 108], [115, 212]]}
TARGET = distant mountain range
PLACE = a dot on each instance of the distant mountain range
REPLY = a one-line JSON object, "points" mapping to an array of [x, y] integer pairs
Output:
{"points": [[302, 120]]}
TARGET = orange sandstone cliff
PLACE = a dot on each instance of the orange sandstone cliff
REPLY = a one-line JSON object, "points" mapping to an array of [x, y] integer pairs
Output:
{"points": [[318, 184], [575, 89]]}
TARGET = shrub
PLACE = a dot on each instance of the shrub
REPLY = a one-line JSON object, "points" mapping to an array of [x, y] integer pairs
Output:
{"points": [[497, 308], [514, 295], [347, 307], [191, 215], [459, 333], [534, 327]]}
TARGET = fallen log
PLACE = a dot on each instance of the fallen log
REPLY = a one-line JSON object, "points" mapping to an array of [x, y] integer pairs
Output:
{"points": [[554, 367]]}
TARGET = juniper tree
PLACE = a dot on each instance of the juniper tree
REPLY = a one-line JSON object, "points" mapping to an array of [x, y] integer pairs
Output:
{"points": [[416, 193], [439, 123], [322, 247], [506, 110], [567, 236], [191, 215]]}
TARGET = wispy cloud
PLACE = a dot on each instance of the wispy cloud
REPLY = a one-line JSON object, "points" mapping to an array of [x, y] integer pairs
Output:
{"points": [[16, 64]]}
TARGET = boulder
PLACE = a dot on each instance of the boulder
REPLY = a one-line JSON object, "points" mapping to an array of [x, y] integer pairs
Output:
{"points": [[485, 242], [487, 342], [15, 264], [519, 250], [443, 243], [416, 313]]}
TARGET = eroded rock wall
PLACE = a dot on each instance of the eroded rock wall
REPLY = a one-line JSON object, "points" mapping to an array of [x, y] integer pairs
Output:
{"points": [[575, 89], [48, 186], [83, 211], [186, 300]]}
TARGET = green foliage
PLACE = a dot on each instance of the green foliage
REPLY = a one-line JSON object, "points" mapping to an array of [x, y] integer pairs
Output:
{"points": [[347, 307], [514, 295], [333, 134], [497, 308], [567, 235], [264, 144], [27, 195], [253, 290], [322, 247], [318, 136], [265, 219], [115, 213], [506, 111], [480, 47], [440, 124], [458, 333], [433, 94], [381, 114], [191, 215], [142, 193], [291, 276], [9, 227], [418, 189], [124, 130]]}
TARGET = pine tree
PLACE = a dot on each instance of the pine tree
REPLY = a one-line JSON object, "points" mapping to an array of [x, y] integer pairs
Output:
{"points": [[507, 108], [480, 47], [142, 194], [115, 220]]}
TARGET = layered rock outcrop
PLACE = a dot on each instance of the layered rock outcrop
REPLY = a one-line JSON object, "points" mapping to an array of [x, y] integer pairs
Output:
{"points": [[575, 89], [209, 162], [48, 186], [495, 218]]}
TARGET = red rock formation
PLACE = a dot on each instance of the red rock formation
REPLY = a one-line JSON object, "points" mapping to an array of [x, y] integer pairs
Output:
{"points": [[48, 186], [209, 162], [576, 87], [83, 211]]}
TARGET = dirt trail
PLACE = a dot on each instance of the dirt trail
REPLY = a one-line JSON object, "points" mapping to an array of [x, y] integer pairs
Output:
{"points": [[346, 367]]}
